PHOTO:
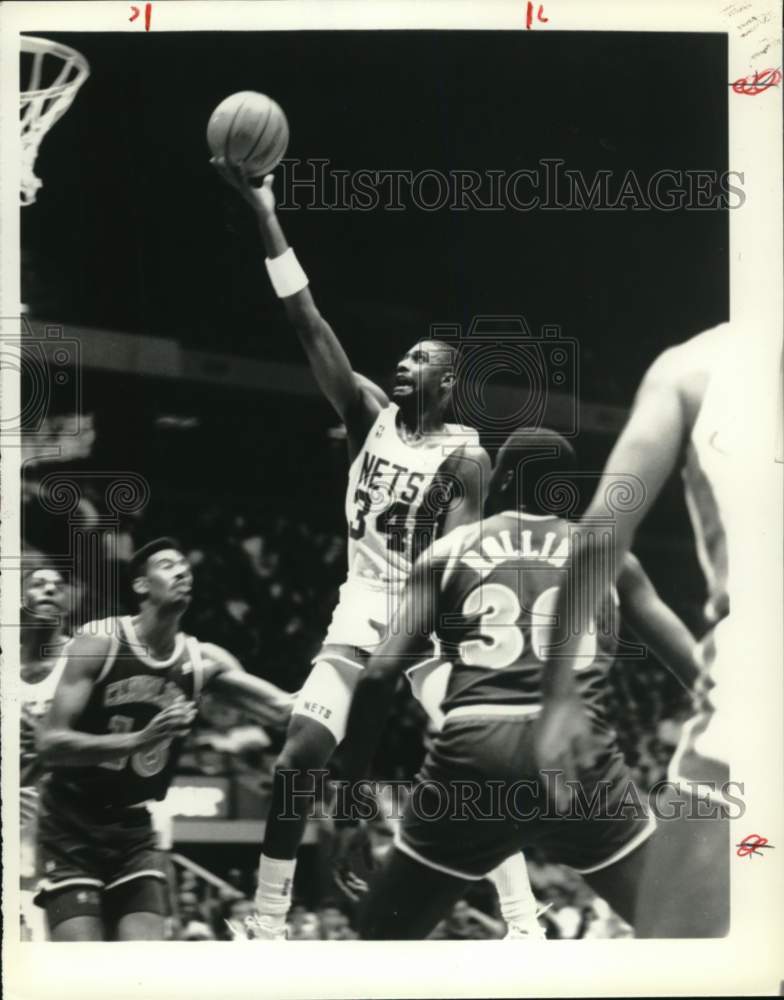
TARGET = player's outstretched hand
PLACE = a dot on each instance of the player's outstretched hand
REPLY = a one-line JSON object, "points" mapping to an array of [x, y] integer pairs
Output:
{"points": [[351, 853], [565, 743], [255, 190], [173, 721]]}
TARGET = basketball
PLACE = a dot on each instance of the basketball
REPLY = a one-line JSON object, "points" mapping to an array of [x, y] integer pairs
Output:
{"points": [[250, 131]]}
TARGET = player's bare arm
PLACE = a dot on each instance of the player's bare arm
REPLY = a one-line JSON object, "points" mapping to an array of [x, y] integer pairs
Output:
{"points": [[225, 676], [655, 624], [328, 360], [471, 468], [408, 641], [647, 451], [60, 744]]}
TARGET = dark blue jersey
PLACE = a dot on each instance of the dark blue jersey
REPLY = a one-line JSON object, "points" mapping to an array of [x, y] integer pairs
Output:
{"points": [[130, 689], [496, 612]]}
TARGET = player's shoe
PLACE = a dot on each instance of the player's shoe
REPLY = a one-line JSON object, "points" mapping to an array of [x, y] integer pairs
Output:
{"points": [[261, 928], [531, 930]]}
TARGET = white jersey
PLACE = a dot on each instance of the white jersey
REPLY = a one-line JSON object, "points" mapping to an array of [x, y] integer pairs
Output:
{"points": [[397, 499], [36, 699]]}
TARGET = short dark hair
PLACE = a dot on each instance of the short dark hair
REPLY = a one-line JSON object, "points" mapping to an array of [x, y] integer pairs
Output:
{"points": [[531, 455], [136, 566]]}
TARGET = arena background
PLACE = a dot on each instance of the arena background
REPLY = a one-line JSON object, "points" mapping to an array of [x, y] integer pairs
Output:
{"points": [[189, 376]]}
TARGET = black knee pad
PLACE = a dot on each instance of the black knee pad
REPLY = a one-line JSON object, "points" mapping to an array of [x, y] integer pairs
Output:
{"points": [[72, 901], [138, 895]]}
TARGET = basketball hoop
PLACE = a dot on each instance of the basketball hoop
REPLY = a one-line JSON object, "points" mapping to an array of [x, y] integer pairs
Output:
{"points": [[41, 103]]}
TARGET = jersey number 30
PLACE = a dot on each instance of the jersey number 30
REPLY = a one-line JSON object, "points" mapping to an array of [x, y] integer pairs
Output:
{"points": [[501, 640]]}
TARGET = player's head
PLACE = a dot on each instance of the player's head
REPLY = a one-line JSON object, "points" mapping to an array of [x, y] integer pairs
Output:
{"points": [[161, 575], [44, 594], [426, 374], [529, 469]]}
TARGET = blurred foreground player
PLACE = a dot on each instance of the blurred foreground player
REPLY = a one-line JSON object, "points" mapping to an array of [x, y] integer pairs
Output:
{"points": [[413, 477], [686, 414], [488, 591], [42, 660], [127, 696]]}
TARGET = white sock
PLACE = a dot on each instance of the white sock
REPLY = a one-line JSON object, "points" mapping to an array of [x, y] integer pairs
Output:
{"points": [[273, 891], [518, 903]]}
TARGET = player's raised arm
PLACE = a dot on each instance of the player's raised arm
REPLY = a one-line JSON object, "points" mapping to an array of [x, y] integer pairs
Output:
{"points": [[655, 624], [328, 361], [61, 745], [645, 454], [226, 677], [408, 641]]}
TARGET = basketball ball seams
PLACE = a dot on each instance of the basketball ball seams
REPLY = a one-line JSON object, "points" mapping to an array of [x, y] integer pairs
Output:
{"points": [[229, 131], [276, 144], [260, 136], [249, 130]]}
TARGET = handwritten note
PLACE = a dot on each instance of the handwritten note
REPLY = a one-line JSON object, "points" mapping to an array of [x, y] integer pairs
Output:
{"points": [[147, 15], [755, 23]]}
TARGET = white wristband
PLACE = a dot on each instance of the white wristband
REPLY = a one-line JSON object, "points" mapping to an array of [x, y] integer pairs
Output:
{"points": [[286, 274]]}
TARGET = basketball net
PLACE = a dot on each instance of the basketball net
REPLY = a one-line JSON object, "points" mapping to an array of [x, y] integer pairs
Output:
{"points": [[41, 106]]}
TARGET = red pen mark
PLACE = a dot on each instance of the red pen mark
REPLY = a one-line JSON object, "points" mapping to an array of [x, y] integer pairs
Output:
{"points": [[752, 845], [757, 82], [529, 15], [147, 15]]}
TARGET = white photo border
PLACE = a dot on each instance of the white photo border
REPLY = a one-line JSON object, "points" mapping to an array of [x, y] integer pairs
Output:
{"points": [[748, 960]]}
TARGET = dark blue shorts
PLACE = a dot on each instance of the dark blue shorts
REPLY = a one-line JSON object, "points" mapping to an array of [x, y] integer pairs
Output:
{"points": [[81, 844], [479, 798]]}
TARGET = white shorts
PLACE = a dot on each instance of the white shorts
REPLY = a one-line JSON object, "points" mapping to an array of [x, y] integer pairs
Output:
{"points": [[359, 624], [361, 616]]}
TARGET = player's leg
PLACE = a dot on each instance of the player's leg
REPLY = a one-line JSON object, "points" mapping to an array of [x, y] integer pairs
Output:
{"points": [[605, 833], [73, 912], [308, 747], [407, 899], [70, 890], [452, 833], [516, 898], [318, 724], [619, 883], [77, 929], [135, 909], [136, 889]]}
